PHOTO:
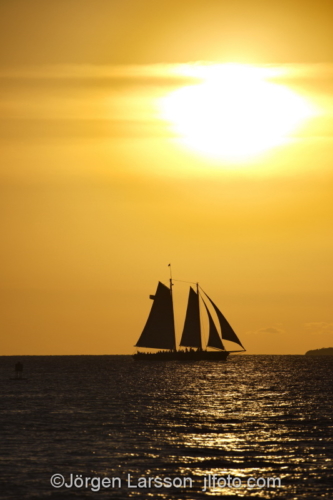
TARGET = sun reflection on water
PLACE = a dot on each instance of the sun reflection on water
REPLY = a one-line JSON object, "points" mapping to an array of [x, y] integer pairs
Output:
{"points": [[252, 417]]}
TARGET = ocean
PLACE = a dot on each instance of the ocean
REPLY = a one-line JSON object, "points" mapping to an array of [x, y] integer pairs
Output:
{"points": [[98, 427]]}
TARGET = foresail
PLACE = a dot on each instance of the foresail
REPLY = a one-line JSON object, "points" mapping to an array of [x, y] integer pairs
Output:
{"points": [[159, 331], [214, 339], [226, 330], [191, 336]]}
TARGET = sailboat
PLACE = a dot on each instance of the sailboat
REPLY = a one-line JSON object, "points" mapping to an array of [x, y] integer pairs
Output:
{"points": [[159, 331]]}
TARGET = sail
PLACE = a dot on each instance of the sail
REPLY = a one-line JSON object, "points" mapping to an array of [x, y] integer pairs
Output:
{"points": [[226, 330], [214, 339], [159, 331], [191, 336]]}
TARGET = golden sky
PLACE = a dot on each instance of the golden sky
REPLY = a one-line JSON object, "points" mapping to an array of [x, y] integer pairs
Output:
{"points": [[112, 117]]}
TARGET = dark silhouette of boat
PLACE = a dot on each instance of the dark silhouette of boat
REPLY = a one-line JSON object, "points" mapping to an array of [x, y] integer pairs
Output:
{"points": [[18, 372], [159, 331]]}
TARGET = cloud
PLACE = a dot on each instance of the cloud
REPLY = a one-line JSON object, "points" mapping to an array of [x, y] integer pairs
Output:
{"points": [[186, 72], [72, 74], [87, 100], [320, 327], [270, 330]]}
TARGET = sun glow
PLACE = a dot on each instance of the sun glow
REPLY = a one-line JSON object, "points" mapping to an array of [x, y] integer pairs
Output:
{"points": [[235, 113]]}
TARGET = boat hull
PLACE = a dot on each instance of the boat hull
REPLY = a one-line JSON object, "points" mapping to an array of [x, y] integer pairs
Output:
{"points": [[182, 356]]}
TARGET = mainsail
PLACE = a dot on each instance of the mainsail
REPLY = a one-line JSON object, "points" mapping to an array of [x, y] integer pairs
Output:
{"points": [[191, 336], [159, 331], [226, 330]]}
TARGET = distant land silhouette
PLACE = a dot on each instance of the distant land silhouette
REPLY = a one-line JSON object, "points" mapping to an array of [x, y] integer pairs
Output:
{"points": [[325, 351]]}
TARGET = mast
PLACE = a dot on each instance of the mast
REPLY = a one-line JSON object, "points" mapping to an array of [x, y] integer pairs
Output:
{"points": [[172, 310], [199, 318]]}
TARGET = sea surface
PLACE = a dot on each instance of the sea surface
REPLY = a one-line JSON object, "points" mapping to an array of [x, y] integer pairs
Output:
{"points": [[251, 427]]}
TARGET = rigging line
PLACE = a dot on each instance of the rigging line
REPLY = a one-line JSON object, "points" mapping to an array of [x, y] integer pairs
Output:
{"points": [[182, 281]]}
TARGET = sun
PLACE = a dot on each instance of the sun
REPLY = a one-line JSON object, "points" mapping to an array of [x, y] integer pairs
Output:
{"points": [[235, 113]]}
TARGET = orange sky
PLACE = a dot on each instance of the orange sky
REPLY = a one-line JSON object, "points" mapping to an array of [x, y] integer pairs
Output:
{"points": [[98, 195]]}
